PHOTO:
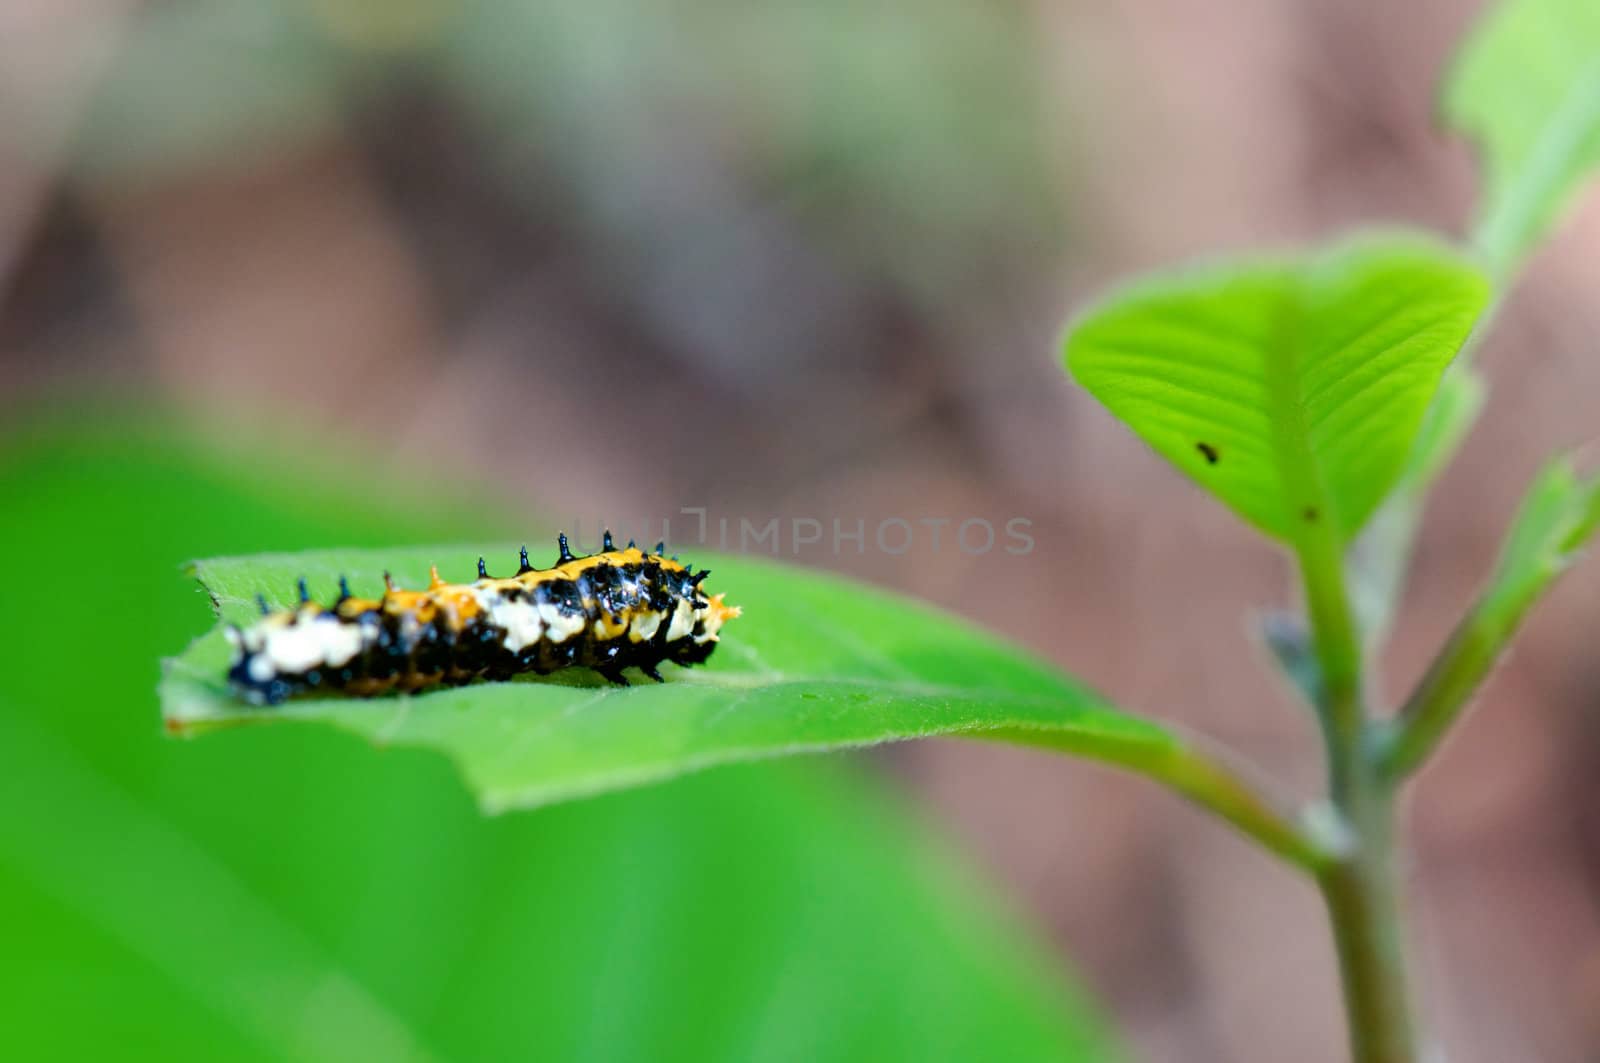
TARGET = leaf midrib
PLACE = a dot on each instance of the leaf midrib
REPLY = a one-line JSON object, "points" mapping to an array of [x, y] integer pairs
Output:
{"points": [[1284, 373]]}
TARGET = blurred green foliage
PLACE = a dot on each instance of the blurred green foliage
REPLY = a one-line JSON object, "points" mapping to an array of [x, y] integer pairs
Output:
{"points": [[1525, 86], [290, 893]]}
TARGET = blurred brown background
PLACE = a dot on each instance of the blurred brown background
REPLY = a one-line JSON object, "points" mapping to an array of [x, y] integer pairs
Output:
{"points": [[811, 261]]}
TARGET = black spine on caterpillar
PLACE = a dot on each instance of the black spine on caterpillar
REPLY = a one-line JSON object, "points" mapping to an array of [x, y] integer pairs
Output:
{"points": [[611, 611]]}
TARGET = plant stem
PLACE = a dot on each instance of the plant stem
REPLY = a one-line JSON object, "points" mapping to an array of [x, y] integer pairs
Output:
{"points": [[1360, 889], [1200, 772], [1338, 647], [1445, 690], [1363, 904]]}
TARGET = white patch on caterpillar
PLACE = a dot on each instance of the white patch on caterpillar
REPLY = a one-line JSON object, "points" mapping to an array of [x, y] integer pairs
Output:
{"points": [[559, 626], [305, 643], [519, 620], [682, 620], [644, 626]]}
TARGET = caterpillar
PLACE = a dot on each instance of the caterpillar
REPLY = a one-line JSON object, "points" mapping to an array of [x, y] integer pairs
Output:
{"points": [[607, 611]]}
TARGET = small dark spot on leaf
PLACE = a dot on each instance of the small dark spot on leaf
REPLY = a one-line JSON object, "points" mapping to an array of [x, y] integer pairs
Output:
{"points": [[1209, 452], [1310, 514]]}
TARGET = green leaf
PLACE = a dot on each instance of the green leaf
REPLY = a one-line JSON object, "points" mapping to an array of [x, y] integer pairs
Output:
{"points": [[1526, 88], [1557, 519], [1292, 389], [814, 664], [284, 893]]}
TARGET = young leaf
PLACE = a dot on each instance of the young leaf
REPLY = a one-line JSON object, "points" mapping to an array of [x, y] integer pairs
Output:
{"points": [[814, 664], [1291, 389], [1557, 519], [1526, 87]]}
